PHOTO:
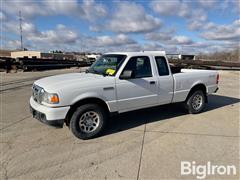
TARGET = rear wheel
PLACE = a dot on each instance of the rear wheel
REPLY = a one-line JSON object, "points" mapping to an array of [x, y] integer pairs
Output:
{"points": [[88, 121], [196, 102]]}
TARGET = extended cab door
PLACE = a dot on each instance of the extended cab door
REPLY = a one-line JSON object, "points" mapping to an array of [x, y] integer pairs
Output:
{"points": [[165, 80], [140, 90]]}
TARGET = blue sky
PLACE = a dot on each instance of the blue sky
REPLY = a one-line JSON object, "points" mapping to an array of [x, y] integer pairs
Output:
{"points": [[98, 26]]}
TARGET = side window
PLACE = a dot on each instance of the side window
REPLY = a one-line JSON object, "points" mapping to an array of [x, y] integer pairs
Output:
{"points": [[140, 67], [162, 66]]}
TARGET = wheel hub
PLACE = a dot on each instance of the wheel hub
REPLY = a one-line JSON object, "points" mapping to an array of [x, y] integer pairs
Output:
{"points": [[89, 121], [197, 102]]}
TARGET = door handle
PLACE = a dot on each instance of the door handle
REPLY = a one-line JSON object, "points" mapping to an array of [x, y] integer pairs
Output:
{"points": [[152, 82], [108, 88]]}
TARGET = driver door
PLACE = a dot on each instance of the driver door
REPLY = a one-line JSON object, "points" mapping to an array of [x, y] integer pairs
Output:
{"points": [[139, 91]]}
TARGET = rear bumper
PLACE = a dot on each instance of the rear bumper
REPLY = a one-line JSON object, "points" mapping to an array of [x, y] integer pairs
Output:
{"points": [[212, 89], [48, 115]]}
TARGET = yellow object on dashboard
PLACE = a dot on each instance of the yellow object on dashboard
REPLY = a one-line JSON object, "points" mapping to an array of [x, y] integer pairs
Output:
{"points": [[110, 71]]}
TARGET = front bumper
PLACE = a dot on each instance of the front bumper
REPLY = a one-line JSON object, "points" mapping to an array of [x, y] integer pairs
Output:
{"points": [[48, 115]]}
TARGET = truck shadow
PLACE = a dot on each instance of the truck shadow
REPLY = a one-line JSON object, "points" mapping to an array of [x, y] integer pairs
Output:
{"points": [[137, 118]]}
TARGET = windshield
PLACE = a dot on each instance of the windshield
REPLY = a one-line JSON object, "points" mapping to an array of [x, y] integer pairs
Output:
{"points": [[107, 64]]}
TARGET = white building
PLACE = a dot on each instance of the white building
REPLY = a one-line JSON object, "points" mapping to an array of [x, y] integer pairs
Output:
{"points": [[29, 54]]}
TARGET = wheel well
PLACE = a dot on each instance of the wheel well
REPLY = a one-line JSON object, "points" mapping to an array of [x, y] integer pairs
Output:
{"points": [[82, 102], [198, 87]]}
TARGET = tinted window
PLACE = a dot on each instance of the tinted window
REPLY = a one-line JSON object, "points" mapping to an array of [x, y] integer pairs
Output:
{"points": [[140, 67], [162, 66]]}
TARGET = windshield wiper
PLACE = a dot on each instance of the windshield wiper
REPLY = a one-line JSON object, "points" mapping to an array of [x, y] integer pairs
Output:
{"points": [[93, 71], [106, 74]]}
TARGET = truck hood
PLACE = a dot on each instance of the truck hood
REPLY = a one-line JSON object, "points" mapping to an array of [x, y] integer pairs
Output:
{"points": [[54, 83]]}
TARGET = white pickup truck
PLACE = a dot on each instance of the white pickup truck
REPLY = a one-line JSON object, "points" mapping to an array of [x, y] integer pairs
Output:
{"points": [[118, 82]]}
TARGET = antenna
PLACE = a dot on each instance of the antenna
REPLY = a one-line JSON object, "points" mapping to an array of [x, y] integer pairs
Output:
{"points": [[20, 28]]}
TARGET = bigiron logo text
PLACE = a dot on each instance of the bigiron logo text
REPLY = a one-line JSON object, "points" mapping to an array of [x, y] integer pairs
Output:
{"points": [[202, 171]]}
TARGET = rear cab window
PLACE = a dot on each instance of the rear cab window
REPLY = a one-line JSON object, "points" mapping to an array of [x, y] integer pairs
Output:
{"points": [[162, 65]]}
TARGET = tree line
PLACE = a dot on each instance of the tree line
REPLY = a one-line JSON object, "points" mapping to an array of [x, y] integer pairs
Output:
{"points": [[233, 56]]}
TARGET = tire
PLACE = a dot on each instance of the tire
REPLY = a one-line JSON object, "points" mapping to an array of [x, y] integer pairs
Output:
{"points": [[196, 102], [88, 121]]}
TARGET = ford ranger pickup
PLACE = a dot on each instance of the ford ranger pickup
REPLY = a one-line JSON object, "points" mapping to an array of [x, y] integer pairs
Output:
{"points": [[115, 83]]}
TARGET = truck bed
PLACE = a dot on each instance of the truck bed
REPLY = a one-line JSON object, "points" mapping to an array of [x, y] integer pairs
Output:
{"points": [[175, 69], [187, 78]]}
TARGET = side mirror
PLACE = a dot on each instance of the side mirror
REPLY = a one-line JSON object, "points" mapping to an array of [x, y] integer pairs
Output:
{"points": [[127, 74]]}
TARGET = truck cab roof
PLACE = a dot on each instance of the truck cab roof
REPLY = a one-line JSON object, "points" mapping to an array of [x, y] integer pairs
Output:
{"points": [[141, 53]]}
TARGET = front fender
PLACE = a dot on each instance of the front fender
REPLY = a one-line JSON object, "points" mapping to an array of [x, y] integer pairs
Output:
{"points": [[111, 104], [88, 95]]}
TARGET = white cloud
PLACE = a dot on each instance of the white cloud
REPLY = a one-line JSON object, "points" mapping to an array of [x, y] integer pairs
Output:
{"points": [[14, 44], [170, 49], [195, 25], [152, 47], [96, 28], [88, 9], [130, 17], [209, 25], [11, 26], [106, 43], [29, 28], [171, 8], [160, 36], [60, 35], [195, 16], [168, 37], [132, 47], [198, 19], [199, 25], [126, 19], [237, 23], [210, 47], [28, 8], [178, 8], [224, 32], [2, 16], [181, 40], [199, 14], [62, 7], [118, 40], [93, 10], [207, 3]]}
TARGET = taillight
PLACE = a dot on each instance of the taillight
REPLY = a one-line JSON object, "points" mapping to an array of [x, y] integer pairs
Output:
{"points": [[217, 79]]}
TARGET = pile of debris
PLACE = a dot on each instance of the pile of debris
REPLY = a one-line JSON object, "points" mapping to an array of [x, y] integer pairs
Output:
{"points": [[37, 64], [202, 64]]}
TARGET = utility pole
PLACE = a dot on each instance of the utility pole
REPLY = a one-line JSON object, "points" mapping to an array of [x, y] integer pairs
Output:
{"points": [[20, 28]]}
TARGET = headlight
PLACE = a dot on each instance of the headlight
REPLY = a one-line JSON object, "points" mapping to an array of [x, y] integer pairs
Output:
{"points": [[50, 98]]}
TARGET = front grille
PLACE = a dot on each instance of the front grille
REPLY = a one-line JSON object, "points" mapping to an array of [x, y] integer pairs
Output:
{"points": [[36, 93]]}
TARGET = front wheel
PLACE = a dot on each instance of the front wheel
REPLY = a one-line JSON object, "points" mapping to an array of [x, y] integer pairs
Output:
{"points": [[88, 121], [195, 102]]}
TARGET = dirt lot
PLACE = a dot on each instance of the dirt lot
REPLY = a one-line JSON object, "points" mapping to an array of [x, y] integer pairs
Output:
{"points": [[145, 144]]}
